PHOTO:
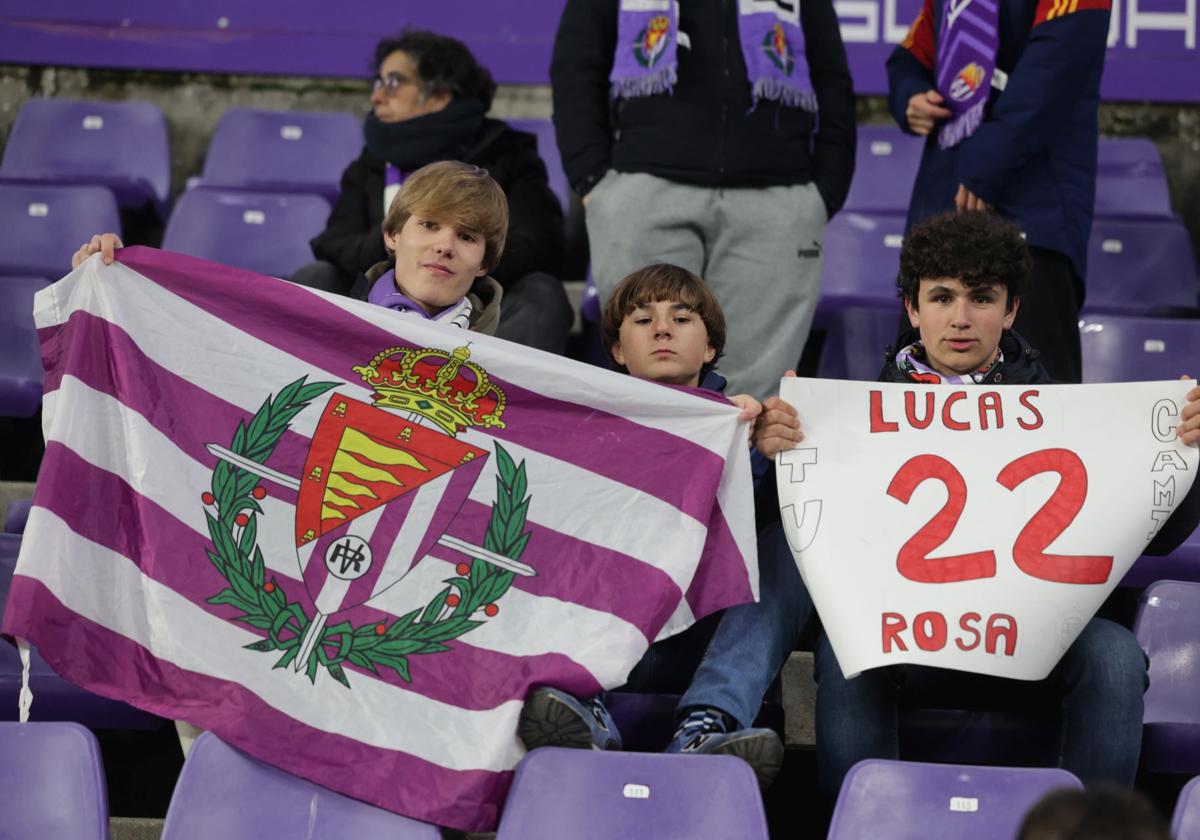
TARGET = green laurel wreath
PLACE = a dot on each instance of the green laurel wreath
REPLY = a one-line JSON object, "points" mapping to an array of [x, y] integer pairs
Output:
{"points": [[263, 604]]}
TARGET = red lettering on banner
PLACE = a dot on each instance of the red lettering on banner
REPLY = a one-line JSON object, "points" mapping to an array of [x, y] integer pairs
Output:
{"points": [[1007, 631], [1026, 399], [929, 631], [910, 409], [914, 561], [893, 626], [990, 402], [921, 408], [967, 624], [948, 419], [1054, 517], [878, 424]]}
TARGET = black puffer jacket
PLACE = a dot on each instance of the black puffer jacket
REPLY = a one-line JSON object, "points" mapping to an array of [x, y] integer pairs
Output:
{"points": [[705, 131], [353, 238]]}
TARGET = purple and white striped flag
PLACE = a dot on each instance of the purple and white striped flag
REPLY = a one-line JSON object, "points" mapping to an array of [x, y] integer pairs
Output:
{"points": [[416, 524]]}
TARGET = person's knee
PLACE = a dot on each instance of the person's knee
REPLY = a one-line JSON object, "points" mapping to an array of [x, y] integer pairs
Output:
{"points": [[1109, 658]]}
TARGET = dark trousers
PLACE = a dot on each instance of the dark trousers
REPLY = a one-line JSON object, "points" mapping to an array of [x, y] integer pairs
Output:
{"points": [[1049, 314], [1097, 687]]}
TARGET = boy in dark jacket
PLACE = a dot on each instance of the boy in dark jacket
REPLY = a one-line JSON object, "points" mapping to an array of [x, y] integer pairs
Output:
{"points": [[662, 323], [961, 277]]}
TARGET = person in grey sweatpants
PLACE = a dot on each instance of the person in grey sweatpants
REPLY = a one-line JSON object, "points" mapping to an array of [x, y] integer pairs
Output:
{"points": [[759, 249], [716, 136]]}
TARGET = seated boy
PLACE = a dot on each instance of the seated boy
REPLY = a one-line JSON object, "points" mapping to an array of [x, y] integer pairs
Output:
{"points": [[662, 323], [960, 279], [445, 230]]}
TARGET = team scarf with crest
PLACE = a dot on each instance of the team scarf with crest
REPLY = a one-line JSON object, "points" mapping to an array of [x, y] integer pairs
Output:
{"points": [[349, 541], [966, 64], [910, 361], [648, 40]]}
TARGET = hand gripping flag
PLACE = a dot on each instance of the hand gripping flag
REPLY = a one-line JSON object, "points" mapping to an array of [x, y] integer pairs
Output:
{"points": [[350, 541]]}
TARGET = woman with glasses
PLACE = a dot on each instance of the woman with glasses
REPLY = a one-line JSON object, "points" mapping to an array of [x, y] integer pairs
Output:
{"points": [[428, 103]]}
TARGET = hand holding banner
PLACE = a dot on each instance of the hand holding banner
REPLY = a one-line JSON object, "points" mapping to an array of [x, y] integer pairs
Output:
{"points": [[972, 528]]}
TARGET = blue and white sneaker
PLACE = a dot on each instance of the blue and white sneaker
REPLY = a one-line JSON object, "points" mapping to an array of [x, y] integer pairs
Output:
{"points": [[704, 731], [553, 718]]}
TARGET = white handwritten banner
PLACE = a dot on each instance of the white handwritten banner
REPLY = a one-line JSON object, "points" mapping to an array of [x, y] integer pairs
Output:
{"points": [[973, 528]]}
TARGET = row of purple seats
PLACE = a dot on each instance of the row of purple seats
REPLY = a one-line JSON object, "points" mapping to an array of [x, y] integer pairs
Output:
{"points": [[269, 181], [1135, 266], [1130, 179], [118, 145], [43, 224], [55, 699]]}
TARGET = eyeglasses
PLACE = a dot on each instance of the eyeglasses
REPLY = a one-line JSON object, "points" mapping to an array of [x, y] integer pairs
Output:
{"points": [[391, 83]]}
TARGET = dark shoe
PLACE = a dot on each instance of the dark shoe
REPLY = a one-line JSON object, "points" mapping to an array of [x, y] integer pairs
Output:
{"points": [[704, 732], [553, 718]]}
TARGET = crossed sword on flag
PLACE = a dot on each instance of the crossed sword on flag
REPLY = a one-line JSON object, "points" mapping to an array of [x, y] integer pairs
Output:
{"points": [[313, 633]]}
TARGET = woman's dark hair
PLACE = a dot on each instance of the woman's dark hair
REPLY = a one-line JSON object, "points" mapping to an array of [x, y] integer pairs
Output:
{"points": [[978, 249], [444, 65]]}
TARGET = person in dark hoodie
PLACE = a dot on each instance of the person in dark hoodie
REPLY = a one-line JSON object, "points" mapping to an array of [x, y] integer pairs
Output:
{"points": [[718, 136], [428, 104], [961, 278]]}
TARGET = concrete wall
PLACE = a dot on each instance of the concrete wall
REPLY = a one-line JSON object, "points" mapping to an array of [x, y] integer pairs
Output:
{"points": [[194, 102]]}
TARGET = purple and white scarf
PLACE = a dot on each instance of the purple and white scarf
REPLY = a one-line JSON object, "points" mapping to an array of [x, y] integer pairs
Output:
{"points": [[911, 362], [648, 39], [385, 292], [966, 64]]}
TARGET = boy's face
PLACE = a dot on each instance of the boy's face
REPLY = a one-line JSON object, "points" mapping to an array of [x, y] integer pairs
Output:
{"points": [[436, 262], [664, 341], [960, 327]]}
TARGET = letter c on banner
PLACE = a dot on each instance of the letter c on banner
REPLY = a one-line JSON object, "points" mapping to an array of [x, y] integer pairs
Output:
{"points": [[1164, 410]]}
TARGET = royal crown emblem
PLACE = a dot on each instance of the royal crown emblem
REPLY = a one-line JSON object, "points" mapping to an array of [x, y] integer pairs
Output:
{"points": [[445, 388]]}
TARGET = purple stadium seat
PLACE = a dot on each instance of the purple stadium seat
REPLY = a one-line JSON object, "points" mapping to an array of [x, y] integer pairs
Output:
{"points": [[51, 782], [263, 232], [223, 793], [21, 371], [1140, 267], [856, 340], [282, 151], [885, 166], [16, 516], [1185, 825], [1128, 349], [119, 145], [578, 793], [898, 800], [548, 150], [44, 224], [1130, 180], [862, 256], [54, 699], [1168, 631]]}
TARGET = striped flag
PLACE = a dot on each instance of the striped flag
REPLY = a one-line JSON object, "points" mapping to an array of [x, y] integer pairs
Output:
{"points": [[350, 541]]}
